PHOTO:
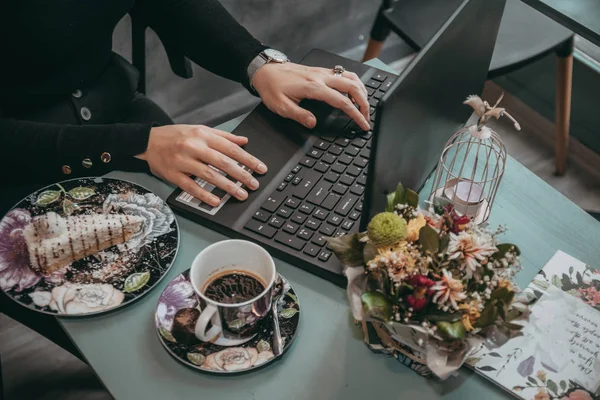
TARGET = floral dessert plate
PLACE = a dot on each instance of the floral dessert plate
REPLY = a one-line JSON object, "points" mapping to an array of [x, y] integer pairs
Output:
{"points": [[86, 246], [176, 314]]}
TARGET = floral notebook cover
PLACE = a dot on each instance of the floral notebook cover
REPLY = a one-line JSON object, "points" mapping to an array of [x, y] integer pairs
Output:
{"points": [[558, 355]]}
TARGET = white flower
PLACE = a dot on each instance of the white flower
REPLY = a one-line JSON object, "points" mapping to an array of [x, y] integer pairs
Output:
{"points": [[472, 249], [72, 298], [232, 359], [448, 289], [157, 216]]}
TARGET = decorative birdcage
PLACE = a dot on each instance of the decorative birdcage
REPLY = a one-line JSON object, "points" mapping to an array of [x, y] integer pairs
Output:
{"points": [[472, 164]]}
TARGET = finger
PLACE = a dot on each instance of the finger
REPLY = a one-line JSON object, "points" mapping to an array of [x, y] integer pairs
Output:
{"points": [[341, 102], [207, 173], [235, 152], [239, 140], [349, 86], [230, 167], [190, 186], [355, 78], [291, 110]]}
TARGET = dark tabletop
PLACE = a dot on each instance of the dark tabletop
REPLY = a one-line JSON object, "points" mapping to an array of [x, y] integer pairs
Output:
{"points": [[580, 16]]}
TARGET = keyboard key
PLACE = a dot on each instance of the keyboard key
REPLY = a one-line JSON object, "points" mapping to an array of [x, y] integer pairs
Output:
{"points": [[284, 212], [352, 150], [261, 216], [297, 180], [319, 240], [319, 213], [380, 77], [281, 186], [306, 208], [289, 177], [298, 218], [370, 91], [304, 234], [334, 220], [328, 138], [367, 136], [354, 215], [312, 250], [324, 256], [372, 110], [272, 203], [359, 207], [261, 228], [339, 189], [292, 202], [347, 225], [291, 227], [345, 206], [362, 180], [373, 84], [310, 179], [345, 159], [335, 149], [338, 168], [359, 142], [384, 88], [331, 177], [327, 230], [352, 129], [330, 201], [321, 167], [315, 153], [347, 180], [328, 158], [322, 145], [312, 224], [365, 153], [373, 102], [308, 162], [357, 189], [353, 171], [343, 142], [319, 193], [296, 169], [378, 95], [361, 162], [277, 222], [289, 240]]}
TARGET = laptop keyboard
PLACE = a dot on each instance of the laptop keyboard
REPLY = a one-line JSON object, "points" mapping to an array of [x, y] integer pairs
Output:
{"points": [[323, 195]]}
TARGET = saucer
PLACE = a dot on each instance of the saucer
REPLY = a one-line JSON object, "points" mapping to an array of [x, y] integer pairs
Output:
{"points": [[177, 312]]}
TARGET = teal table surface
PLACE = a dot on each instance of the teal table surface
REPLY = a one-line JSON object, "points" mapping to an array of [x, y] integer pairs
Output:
{"points": [[328, 359]]}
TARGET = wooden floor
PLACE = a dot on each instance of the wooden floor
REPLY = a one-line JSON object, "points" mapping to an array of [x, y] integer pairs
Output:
{"points": [[35, 368]]}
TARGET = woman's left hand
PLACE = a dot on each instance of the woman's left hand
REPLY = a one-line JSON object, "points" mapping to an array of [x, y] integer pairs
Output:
{"points": [[282, 87]]}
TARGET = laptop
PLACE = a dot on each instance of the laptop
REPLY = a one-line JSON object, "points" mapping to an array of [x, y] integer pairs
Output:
{"points": [[331, 180]]}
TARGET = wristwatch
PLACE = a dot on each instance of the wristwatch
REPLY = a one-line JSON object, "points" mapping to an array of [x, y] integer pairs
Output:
{"points": [[264, 57]]}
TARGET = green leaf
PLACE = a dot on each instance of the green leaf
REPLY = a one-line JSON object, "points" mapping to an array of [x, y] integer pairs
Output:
{"points": [[377, 305], [494, 354], [439, 203], [263, 345], [444, 242], [579, 278], [288, 313], [196, 358], [412, 198], [369, 252], [503, 249], [500, 294], [292, 296], [390, 202], [563, 384], [489, 315], [532, 380], [487, 368], [541, 284], [429, 240], [69, 207], [452, 330], [166, 334], [556, 281], [400, 195], [81, 193], [47, 197], [349, 249], [443, 317], [136, 281], [550, 384], [571, 269]]}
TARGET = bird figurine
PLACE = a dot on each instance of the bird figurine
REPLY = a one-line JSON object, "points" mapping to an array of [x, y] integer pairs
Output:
{"points": [[484, 111]]}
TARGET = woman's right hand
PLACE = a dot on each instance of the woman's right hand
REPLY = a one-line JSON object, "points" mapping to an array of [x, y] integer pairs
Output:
{"points": [[175, 152]]}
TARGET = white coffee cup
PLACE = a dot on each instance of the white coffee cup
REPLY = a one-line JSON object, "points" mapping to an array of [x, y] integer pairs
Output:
{"points": [[232, 323]]}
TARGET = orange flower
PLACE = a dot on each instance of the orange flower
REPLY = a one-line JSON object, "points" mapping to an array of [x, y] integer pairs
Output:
{"points": [[414, 226], [471, 315], [505, 283], [542, 395]]}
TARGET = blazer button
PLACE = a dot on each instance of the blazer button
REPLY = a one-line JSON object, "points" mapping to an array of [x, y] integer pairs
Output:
{"points": [[87, 163], [77, 94], [105, 157], [66, 169], [86, 114]]}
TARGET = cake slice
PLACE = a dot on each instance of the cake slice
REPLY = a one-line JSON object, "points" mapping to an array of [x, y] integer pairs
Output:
{"points": [[54, 242]]}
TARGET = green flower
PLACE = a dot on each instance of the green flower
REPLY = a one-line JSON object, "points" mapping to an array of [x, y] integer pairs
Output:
{"points": [[387, 229]]}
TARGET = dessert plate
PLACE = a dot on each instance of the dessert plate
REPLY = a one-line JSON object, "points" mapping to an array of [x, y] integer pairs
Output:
{"points": [[86, 246], [176, 314]]}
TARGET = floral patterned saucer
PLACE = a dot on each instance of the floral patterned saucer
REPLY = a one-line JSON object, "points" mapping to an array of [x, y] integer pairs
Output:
{"points": [[177, 312], [86, 246]]}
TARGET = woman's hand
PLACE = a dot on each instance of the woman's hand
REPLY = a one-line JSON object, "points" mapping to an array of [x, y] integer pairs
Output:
{"points": [[283, 86], [175, 152]]}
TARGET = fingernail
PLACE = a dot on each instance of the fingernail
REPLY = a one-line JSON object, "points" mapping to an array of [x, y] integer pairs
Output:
{"points": [[215, 201], [310, 122], [253, 184], [242, 194], [261, 169]]}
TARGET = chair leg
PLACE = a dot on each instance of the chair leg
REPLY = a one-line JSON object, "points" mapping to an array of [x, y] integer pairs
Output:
{"points": [[379, 32], [373, 49], [563, 104]]}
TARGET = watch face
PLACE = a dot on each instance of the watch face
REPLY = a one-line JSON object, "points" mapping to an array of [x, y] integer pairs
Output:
{"points": [[275, 55]]}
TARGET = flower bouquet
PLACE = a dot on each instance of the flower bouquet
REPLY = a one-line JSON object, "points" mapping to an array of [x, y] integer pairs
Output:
{"points": [[428, 285]]}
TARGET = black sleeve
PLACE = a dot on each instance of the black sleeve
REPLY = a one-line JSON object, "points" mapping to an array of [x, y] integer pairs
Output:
{"points": [[206, 33], [35, 152]]}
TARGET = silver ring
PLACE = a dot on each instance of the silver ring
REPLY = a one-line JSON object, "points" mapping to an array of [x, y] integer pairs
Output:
{"points": [[338, 70]]}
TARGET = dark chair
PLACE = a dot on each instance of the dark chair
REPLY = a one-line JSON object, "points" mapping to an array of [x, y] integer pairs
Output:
{"points": [[525, 36]]}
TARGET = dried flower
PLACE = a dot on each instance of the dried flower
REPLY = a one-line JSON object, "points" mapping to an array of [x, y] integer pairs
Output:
{"points": [[419, 298], [448, 289], [471, 249], [386, 229], [414, 226], [471, 314], [505, 283]]}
